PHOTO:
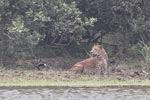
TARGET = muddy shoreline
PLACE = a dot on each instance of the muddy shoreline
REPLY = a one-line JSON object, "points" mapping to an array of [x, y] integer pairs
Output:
{"points": [[100, 87]]}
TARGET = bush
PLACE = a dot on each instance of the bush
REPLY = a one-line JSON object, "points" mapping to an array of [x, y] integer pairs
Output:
{"points": [[145, 52]]}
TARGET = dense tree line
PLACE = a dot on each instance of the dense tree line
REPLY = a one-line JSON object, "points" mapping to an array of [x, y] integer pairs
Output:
{"points": [[128, 19], [25, 24]]}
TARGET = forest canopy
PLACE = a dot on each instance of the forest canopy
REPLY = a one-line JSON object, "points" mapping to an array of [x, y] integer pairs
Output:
{"points": [[26, 24]]}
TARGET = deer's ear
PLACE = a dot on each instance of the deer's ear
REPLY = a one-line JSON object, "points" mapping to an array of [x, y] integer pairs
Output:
{"points": [[96, 43]]}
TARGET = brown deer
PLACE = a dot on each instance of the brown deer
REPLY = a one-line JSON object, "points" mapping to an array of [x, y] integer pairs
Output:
{"points": [[93, 65]]}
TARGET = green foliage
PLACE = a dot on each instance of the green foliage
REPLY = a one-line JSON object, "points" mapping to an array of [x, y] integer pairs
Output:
{"points": [[145, 52], [17, 26], [129, 18], [25, 24]]}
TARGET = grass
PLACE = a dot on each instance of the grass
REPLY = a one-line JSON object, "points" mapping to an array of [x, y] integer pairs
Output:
{"points": [[48, 79], [88, 83]]}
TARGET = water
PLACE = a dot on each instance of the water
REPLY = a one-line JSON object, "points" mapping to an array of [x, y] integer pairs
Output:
{"points": [[75, 94]]}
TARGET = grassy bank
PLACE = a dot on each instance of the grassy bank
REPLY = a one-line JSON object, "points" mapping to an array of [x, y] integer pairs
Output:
{"points": [[55, 78], [88, 83]]}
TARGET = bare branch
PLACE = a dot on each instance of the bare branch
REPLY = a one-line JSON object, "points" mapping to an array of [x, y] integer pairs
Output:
{"points": [[57, 42]]}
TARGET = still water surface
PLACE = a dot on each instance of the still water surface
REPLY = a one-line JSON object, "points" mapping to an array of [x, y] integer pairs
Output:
{"points": [[75, 94]]}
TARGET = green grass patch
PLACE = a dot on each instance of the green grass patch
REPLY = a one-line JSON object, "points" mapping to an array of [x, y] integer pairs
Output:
{"points": [[9, 82]]}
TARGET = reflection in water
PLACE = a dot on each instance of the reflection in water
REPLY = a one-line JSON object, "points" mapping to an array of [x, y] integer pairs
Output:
{"points": [[75, 94]]}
